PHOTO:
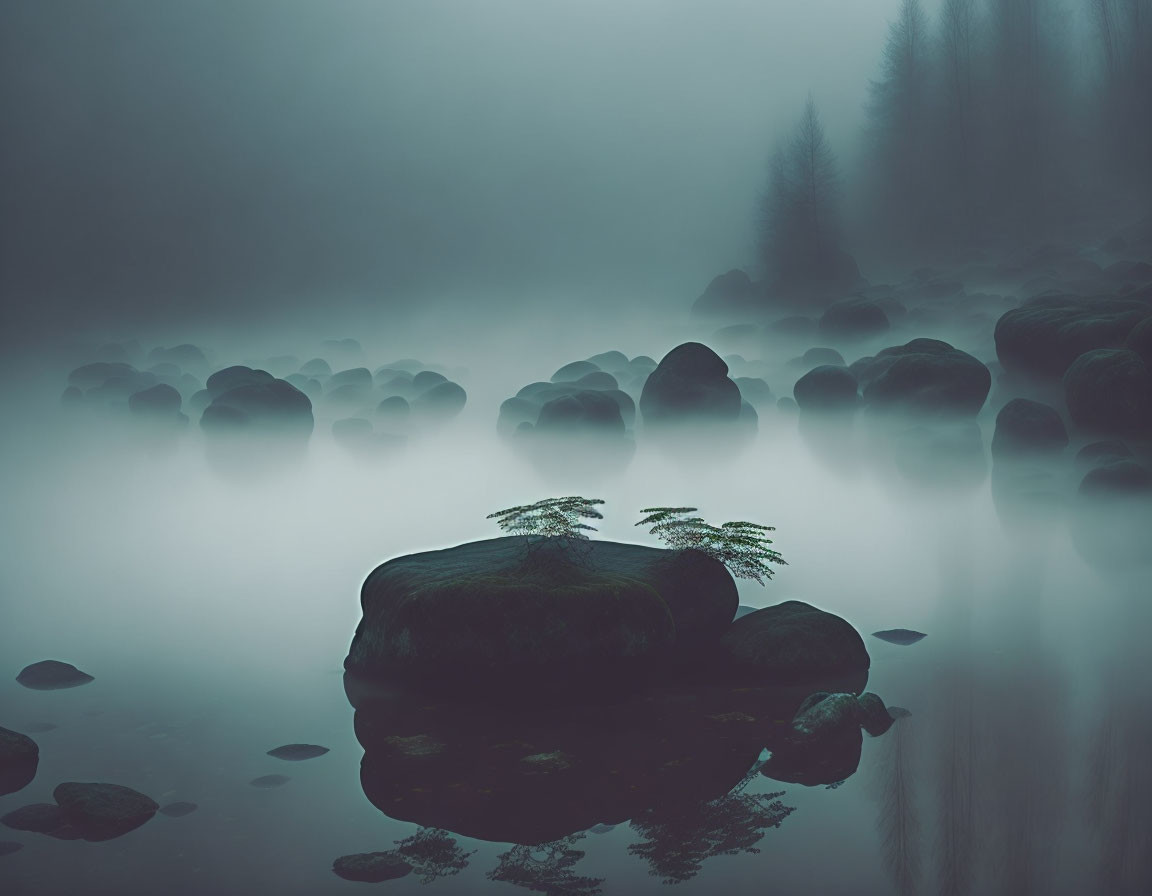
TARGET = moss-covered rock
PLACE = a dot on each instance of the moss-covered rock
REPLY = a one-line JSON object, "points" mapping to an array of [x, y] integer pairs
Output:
{"points": [[793, 640], [371, 867]]}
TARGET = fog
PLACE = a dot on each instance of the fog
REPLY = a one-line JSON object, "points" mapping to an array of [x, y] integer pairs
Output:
{"points": [[293, 289]]}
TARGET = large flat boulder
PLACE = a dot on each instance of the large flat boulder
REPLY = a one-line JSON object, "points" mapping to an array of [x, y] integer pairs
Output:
{"points": [[794, 640], [537, 610]]}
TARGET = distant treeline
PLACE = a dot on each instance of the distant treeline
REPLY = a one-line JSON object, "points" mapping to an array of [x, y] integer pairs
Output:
{"points": [[992, 121]]}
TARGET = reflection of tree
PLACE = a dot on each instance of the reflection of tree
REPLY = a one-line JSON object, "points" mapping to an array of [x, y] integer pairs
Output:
{"points": [[551, 874], [679, 839], [433, 853]]}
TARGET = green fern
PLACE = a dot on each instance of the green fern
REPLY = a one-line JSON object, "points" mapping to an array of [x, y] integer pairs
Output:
{"points": [[740, 545]]}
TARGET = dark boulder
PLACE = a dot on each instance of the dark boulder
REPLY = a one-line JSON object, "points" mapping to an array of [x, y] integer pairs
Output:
{"points": [[316, 367], [1028, 428], [1109, 392], [584, 411], [91, 376], [826, 389], [515, 412], [426, 379], [598, 380], [1100, 454], [794, 640], [569, 373], [820, 355], [235, 377], [690, 383], [851, 319], [732, 293], [526, 611], [19, 758], [272, 407], [924, 377], [353, 376], [613, 362], [393, 410], [1139, 340], [103, 811], [157, 401], [1045, 335], [441, 402]]}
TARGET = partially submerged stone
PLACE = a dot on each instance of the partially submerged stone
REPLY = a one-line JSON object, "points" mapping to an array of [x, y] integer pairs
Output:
{"points": [[266, 782], [298, 752], [178, 809], [372, 867], [50, 675], [901, 636]]}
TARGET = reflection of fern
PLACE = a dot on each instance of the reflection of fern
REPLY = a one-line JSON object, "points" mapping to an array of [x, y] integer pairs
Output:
{"points": [[433, 854], [550, 873], [679, 839], [741, 546]]}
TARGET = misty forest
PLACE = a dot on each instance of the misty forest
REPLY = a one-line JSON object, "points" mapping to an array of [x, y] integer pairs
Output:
{"points": [[604, 447]]}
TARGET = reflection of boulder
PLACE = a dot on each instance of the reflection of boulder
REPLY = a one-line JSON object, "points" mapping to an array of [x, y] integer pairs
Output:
{"points": [[940, 456], [924, 377], [535, 774], [19, 757], [1112, 517], [793, 640], [1109, 392], [1025, 427], [537, 612]]}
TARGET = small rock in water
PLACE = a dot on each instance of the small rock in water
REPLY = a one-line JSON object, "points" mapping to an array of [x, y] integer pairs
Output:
{"points": [[267, 781], [51, 675], [371, 867], [7, 847], [178, 810], [298, 752], [901, 636], [41, 727], [601, 828]]}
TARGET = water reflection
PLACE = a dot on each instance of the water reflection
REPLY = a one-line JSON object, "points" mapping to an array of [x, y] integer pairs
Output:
{"points": [[674, 761]]}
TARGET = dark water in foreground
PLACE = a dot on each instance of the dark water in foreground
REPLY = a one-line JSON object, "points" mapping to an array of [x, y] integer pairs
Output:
{"points": [[215, 620]]}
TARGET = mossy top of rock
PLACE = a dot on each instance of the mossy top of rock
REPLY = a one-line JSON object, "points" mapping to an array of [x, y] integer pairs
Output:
{"points": [[925, 377], [793, 640]]}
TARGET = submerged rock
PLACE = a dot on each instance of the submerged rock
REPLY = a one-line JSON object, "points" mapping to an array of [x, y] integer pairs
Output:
{"points": [[901, 636], [1028, 428], [178, 809], [371, 867], [266, 782], [827, 389], [793, 640], [298, 752], [8, 847], [50, 675]]}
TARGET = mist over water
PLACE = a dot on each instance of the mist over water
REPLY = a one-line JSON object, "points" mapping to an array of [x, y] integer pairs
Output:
{"points": [[266, 221]]}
